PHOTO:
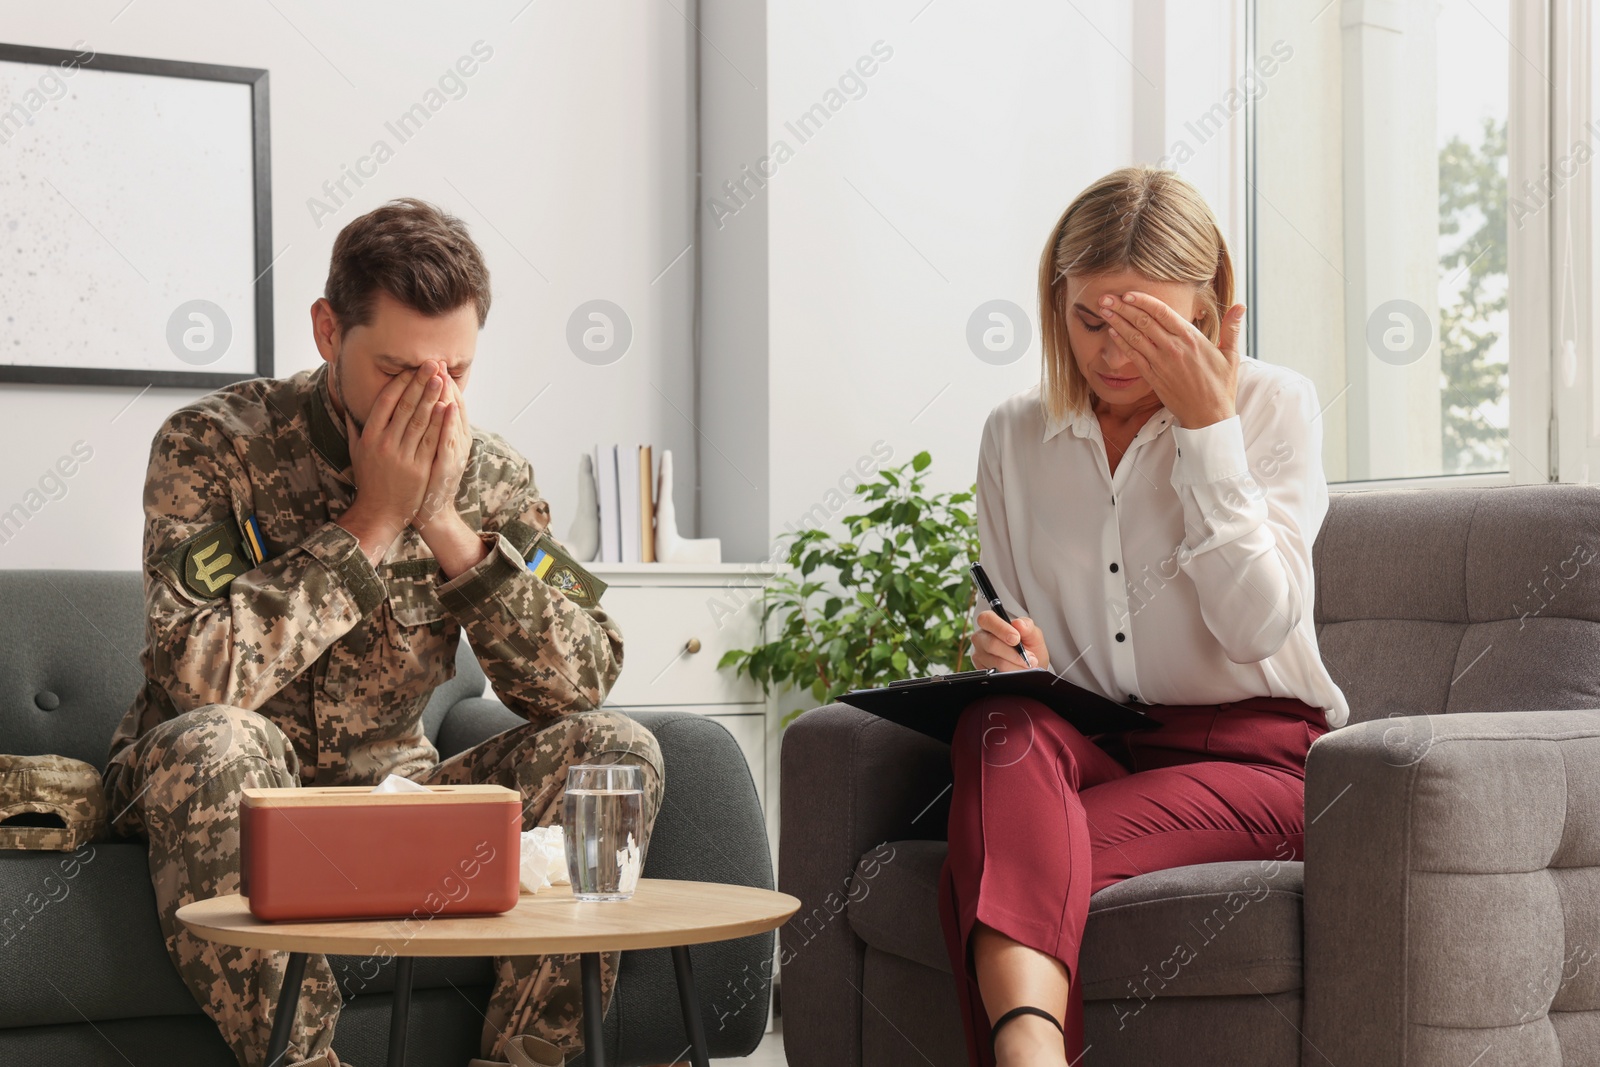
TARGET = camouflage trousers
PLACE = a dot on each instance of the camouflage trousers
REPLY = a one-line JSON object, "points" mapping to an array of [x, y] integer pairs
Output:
{"points": [[182, 793]]}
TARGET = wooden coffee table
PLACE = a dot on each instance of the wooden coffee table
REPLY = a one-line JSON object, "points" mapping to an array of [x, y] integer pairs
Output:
{"points": [[662, 914]]}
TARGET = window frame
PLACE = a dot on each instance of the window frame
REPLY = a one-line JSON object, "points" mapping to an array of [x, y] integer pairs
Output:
{"points": [[1575, 274], [1532, 100]]}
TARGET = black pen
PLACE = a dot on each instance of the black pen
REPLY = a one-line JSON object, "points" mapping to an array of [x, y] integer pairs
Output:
{"points": [[986, 591]]}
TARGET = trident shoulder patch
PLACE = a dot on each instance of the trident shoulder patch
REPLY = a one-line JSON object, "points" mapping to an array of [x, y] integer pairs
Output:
{"points": [[208, 562], [548, 561]]}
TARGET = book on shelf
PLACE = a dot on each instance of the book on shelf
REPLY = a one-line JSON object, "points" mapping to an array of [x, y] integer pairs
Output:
{"points": [[605, 484], [628, 502], [647, 510], [625, 486]]}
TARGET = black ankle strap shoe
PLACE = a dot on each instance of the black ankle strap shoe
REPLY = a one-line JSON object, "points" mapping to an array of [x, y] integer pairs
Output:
{"points": [[1026, 1009]]}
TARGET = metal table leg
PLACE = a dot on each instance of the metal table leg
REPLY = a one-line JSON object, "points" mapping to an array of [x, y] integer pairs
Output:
{"points": [[400, 1014], [690, 1001], [288, 1006], [594, 1032]]}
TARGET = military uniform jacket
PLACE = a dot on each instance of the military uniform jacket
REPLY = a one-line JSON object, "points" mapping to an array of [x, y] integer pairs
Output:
{"points": [[340, 654]]}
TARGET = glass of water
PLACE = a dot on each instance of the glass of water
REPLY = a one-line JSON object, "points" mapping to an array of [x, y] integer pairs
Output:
{"points": [[604, 810]]}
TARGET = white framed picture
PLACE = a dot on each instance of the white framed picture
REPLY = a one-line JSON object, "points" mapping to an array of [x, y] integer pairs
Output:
{"points": [[135, 220]]}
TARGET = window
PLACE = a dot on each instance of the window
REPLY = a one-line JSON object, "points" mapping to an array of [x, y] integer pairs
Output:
{"points": [[1386, 258]]}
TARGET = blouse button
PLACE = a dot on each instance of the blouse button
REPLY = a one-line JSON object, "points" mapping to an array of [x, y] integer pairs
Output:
{"points": [[1122, 636], [1113, 568]]}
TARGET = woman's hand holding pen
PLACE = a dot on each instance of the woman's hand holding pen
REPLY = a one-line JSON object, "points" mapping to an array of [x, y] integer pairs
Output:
{"points": [[994, 643]]}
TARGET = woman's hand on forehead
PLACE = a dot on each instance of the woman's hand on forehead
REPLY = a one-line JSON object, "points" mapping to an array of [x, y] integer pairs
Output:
{"points": [[1196, 379]]}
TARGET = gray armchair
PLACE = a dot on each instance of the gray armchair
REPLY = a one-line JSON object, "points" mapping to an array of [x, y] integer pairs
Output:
{"points": [[84, 975], [1448, 909]]}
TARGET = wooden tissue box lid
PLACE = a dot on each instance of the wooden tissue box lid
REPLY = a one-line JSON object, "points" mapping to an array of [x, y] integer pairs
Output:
{"points": [[344, 795], [345, 852]]}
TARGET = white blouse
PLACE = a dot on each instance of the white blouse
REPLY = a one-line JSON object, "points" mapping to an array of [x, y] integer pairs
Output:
{"points": [[1185, 578]]}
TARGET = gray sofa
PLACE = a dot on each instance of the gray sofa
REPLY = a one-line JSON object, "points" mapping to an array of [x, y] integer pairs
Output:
{"points": [[85, 979], [1448, 909]]}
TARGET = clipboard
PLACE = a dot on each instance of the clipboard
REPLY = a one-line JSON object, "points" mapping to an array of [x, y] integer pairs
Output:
{"points": [[933, 705]]}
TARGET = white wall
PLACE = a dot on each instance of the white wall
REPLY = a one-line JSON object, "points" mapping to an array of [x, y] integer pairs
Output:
{"points": [[928, 196], [569, 156]]}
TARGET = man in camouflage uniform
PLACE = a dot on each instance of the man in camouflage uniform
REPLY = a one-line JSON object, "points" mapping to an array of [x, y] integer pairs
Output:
{"points": [[314, 547]]}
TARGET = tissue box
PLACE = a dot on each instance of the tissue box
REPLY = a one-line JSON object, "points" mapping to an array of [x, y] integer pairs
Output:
{"points": [[348, 853]]}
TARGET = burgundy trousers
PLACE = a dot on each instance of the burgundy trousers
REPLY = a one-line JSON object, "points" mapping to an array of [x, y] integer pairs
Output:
{"points": [[1041, 817]]}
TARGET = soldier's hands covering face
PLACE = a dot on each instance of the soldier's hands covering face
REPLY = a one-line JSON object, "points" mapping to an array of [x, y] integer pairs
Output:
{"points": [[392, 458], [450, 457]]}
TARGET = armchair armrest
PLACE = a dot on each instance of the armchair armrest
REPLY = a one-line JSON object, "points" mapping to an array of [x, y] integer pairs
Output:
{"points": [[1452, 889], [851, 781]]}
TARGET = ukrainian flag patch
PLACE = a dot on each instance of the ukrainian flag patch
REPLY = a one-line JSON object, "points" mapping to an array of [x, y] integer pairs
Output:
{"points": [[253, 543]]}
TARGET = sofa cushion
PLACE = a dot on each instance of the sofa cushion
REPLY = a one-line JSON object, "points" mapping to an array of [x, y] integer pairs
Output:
{"points": [[85, 925], [453, 1021], [69, 660], [1212, 929], [1434, 601]]}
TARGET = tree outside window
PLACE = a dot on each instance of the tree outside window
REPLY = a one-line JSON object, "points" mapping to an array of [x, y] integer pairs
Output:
{"points": [[1472, 300]]}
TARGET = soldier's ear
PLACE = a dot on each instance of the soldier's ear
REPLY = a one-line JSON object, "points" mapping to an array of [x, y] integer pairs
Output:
{"points": [[325, 328]]}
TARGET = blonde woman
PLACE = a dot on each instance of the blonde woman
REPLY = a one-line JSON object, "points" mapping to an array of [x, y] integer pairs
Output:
{"points": [[1146, 514]]}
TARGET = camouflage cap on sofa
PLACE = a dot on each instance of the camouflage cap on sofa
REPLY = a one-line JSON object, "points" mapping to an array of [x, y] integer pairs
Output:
{"points": [[49, 803]]}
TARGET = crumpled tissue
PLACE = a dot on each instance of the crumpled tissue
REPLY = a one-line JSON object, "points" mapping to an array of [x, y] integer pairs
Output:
{"points": [[631, 862], [544, 858], [396, 784]]}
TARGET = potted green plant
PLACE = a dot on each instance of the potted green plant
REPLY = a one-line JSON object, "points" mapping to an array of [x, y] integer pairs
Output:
{"points": [[890, 599]]}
